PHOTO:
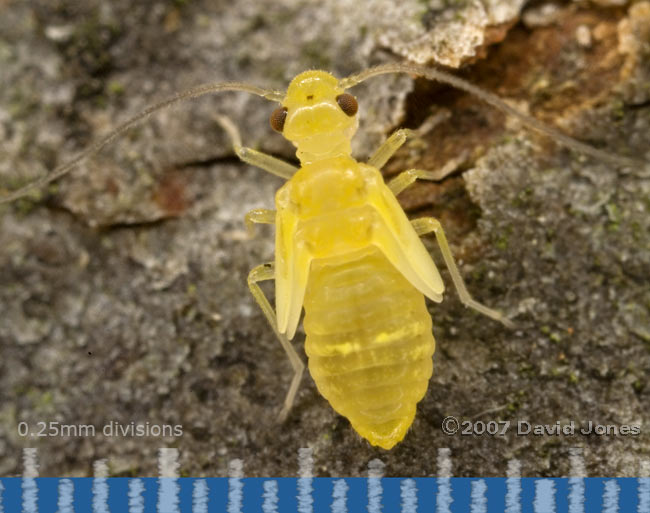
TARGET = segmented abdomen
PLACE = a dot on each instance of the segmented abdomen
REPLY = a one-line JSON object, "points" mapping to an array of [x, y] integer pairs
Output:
{"points": [[369, 344]]}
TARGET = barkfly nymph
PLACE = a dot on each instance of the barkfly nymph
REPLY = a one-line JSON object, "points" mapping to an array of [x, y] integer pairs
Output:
{"points": [[345, 250]]}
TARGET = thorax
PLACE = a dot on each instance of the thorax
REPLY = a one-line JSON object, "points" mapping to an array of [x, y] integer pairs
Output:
{"points": [[333, 204], [326, 186]]}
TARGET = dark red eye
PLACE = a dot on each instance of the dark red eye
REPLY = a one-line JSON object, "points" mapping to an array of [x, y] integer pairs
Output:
{"points": [[278, 117], [348, 103]]}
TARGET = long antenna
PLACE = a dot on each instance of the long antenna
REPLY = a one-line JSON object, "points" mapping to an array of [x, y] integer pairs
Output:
{"points": [[495, 101], [96, 147]]}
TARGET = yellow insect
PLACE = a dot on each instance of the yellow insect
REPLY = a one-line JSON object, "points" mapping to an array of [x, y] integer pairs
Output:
{"points": [[345, 250]]}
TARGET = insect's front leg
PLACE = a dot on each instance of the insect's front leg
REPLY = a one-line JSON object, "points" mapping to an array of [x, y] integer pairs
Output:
{"points": [[426, 225], [390, 146], [267, 272], [258, 216], [253, 157], [408, 177]]}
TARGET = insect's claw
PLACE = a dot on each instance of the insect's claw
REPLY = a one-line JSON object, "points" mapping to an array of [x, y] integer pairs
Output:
{"points": [[230, 129], [508, 323], [250, 229], [282, 416]]}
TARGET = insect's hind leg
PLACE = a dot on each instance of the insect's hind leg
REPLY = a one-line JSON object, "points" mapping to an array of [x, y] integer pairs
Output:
{"points": [[426, 225], [262, 273], [253, 157]]}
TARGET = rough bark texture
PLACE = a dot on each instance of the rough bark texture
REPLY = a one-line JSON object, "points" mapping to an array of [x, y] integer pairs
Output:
{"points": [[122, 286]]}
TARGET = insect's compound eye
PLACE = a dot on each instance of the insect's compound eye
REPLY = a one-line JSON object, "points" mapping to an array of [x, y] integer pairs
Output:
{"points": [[348, 103], [278, 117]]}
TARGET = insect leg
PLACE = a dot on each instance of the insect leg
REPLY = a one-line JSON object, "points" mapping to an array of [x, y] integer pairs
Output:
{"points": [[426, 225], [262, 273], [408, 177], [253, 157], [258, 216], [390, 146]]}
